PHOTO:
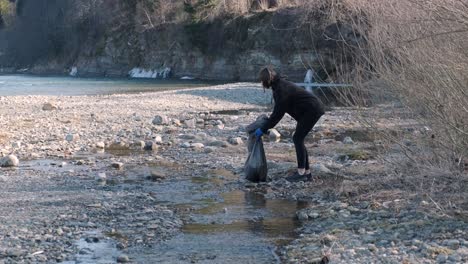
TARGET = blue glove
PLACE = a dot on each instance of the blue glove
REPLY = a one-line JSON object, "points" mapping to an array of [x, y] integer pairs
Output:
{"points": [[258, 132]]}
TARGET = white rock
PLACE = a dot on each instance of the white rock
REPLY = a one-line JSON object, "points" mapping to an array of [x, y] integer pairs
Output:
{"points": [[100, 145], [197, 145], [158, 139], [9, 161], [274, 135], [101, 177]]}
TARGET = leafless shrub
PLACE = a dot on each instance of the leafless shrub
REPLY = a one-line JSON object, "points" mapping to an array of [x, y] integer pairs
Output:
{"points": [[418, 51]]}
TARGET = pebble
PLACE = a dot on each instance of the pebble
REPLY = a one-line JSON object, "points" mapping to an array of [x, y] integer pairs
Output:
{"points": [[209, 150], [150, 146], [138, 144], [453, 244], [442, 258], [302, 216], [160, 120], [236, 141], [72, 137], [101, 177], [197, 145], [100, 145], [158, 139], [117, 165], [319, 168], [49, 107], [348, 141], [190, 123], [186, 145]]}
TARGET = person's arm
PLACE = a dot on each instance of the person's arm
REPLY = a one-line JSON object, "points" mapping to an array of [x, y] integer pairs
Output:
{"points": [[278, 113]]}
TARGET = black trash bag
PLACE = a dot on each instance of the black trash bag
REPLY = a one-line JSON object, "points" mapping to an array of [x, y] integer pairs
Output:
{"points": [[256, 168]]}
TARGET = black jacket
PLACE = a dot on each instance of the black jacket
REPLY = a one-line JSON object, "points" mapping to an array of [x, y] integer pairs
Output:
{"points": [[293, 100]]}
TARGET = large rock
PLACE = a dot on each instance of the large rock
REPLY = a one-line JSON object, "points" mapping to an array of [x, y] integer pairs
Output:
{"points": [[9, 161], [161, 120]]}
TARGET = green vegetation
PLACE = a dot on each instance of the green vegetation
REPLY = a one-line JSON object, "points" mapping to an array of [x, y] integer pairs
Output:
{"points": [[7, 13]]}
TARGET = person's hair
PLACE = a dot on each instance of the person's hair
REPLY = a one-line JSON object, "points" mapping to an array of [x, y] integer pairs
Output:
{"points": [[267, 75]]}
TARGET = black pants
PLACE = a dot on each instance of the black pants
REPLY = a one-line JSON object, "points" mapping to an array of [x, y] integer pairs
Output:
{"points": [[302, 129]]}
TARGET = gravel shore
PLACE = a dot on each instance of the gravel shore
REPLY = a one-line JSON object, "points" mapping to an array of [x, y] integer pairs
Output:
{"points": [[108, 176]]}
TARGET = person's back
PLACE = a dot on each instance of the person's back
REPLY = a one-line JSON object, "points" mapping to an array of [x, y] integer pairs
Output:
{"points": [[296, 101]]}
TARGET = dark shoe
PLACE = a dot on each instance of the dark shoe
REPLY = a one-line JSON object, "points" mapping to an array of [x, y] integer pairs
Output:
{"points": [[296, 177]]}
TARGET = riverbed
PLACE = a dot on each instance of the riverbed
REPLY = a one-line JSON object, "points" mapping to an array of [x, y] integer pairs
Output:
{"points": [[158, 177]]}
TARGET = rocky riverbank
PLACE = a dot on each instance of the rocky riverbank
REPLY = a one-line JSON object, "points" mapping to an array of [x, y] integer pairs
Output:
{"points": [[109, 178]]}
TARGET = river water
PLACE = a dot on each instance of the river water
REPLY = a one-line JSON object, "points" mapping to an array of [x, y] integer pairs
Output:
{"points": [[70, 86]]}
